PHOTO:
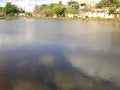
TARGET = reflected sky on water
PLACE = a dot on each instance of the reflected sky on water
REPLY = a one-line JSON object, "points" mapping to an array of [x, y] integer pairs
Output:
{"points": [[59, 55]]}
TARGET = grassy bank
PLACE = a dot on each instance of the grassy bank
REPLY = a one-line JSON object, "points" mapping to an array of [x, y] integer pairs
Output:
{"points": [[117, 20], [9, 17], [2, 17]]}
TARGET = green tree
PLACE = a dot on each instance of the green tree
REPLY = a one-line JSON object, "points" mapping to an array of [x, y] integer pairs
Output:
{"points": [[53, 5], [1, 11], [49, 12], [10, 9], [112, 11], [1, 8], [99, 5], [86, 9], [73, 7], [73, 4], [71, 10], [21, 10], [108, 3], [115, 3], [60, 3], [37, 9], [44, 10], [59, 10], [43, 6]]}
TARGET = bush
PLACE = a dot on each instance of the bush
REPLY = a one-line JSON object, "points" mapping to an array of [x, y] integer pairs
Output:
{"points": [[59, 10]]}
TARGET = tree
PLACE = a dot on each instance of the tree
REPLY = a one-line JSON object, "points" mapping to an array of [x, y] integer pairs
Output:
{"points": [[43, 6], [111, 4], [1, 11], [44, 10], [115, 3], [1, 8], [112, 11], [52, 5], [73, 4], [59, 10], [21, 10], [86, 9], [10, 9], [99, 5], [73, 7], [37, 9], [60, 3], [108, 3], [71, 10]]}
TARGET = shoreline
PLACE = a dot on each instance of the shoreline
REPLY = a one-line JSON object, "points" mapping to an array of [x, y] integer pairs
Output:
{"points": [[114, 20]]}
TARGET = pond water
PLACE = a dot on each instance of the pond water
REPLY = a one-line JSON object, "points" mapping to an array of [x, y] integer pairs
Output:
{"points": [[59, 55]]}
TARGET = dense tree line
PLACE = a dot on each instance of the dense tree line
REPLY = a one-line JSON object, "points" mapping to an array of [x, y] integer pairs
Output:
{"points": [[10, 9], [108, 3], [111, 5], [49, 10], [57, 8]]}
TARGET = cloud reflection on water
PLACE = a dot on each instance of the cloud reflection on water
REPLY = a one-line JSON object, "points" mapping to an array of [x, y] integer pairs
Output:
{"points": [[58, 55], [34, 71], [97, 66]]}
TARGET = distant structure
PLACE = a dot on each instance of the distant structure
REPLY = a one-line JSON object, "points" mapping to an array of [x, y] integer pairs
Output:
{"points": [[83, 3], [86, 3]]}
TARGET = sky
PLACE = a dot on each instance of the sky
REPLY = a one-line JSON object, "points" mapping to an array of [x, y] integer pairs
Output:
{"points": [[28, 5]]}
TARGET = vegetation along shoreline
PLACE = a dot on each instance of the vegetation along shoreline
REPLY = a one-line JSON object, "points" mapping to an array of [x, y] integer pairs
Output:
{"points": [[104, 10]]}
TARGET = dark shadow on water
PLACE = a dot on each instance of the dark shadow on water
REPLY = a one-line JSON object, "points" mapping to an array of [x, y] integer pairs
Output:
{"points": [[45, 67]]}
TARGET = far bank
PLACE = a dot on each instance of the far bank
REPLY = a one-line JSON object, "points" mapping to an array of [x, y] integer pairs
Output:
{"points": [[114, 20], [117, 20]]}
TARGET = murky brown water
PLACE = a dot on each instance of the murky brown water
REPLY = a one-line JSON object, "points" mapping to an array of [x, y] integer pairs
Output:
{"points": [[59, 55]]}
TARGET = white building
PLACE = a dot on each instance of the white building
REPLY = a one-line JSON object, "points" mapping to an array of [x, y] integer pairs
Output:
{"points": [[98, 15]]}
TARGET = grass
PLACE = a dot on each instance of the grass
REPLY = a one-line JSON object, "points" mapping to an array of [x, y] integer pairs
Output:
{"points": [[115, 20], [2, 17]]}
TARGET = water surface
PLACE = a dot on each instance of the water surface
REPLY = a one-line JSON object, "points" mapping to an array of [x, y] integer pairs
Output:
{"points": [[59, 55]]}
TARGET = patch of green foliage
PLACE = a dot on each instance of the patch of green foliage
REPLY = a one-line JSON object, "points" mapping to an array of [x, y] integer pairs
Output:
{"points": [[59, 10], [108, 3], [10, 9], [112, 11]]}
